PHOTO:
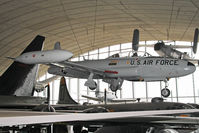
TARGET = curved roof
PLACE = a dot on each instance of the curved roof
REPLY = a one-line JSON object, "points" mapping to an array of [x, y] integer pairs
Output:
{"points": [[82, 25]]}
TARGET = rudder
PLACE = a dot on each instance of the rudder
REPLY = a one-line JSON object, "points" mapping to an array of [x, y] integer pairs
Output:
{"points": [[64, 96]]}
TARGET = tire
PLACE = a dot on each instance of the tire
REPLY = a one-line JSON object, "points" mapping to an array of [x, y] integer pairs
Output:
{"points": [[114, 89], [165, 92], [84, 131]]}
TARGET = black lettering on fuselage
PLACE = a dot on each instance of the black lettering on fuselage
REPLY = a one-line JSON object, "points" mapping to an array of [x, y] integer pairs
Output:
{"points": [[167, 62], [162, 62], [176, 62], [157, 61], [138, 62], [132, 62], [148, 62]]}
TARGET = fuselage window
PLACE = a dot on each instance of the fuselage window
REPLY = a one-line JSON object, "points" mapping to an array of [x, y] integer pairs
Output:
{"points": [[112, 63]]}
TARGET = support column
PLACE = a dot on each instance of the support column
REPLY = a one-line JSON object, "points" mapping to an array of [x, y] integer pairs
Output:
{"points": [[147, 98], [133, 90]]}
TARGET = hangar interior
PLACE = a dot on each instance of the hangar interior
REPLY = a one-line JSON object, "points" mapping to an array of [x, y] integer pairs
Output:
{"points": [[97, 29]]}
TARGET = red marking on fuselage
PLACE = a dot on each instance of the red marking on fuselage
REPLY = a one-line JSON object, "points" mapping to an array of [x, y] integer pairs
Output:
{"points": [[33, 55], [112, 72]]}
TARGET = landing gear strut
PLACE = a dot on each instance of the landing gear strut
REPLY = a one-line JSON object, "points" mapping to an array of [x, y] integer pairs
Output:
{"points": [[165, 92]]}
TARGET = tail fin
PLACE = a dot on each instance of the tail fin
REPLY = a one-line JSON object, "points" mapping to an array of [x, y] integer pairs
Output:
{"points": [[64, 96], [57, 45], [19, 79]]}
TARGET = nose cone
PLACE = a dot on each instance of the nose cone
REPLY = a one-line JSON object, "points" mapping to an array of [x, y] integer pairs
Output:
{"points": [[190, 68], [19, 59]]}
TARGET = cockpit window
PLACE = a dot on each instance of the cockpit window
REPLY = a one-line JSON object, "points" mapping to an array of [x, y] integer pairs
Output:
{"points": [[190, 64], [113, 62]]}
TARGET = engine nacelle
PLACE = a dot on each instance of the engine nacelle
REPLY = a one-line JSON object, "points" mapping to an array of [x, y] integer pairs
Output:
{"points": [[165, 50], [91, 84], [115, 84]]}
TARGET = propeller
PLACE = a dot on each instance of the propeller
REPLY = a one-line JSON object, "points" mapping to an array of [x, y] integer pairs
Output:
{"points": [[135, 41], [195, 41]]}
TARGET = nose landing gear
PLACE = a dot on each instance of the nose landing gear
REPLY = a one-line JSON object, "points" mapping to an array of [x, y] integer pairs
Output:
{"points": [[165, 92]]}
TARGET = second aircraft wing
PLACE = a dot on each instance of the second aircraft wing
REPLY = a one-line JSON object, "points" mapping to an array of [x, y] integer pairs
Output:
{"points": [[11, 118]]}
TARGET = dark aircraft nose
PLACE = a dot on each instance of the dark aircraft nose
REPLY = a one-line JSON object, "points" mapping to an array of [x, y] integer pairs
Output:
{"points": [[190, 64]]}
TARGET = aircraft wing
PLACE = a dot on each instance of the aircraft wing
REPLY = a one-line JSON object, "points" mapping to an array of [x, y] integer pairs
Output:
{"points": [[92, 98], [11, 118], [79, 67], [123, 100]]}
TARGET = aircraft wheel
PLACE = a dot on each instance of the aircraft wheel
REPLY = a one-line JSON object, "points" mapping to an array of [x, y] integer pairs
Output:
{"points": [[165, 92], [114, 89], [84, 131]]}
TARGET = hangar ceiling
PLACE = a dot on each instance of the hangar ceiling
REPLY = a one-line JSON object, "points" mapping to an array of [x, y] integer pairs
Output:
{"points": [[82, 25]]}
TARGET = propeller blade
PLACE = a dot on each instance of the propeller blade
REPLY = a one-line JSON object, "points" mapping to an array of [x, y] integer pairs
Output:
{"points": [[135, 41], [195, 41]]}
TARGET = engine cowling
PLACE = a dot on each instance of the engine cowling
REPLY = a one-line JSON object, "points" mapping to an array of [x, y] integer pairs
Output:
{"points": [[91, 84]]}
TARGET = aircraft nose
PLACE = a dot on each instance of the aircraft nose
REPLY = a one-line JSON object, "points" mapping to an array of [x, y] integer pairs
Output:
{"points": [[190, 67]]}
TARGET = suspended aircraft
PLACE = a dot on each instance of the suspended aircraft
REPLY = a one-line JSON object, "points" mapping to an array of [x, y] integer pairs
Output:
{"points": [[170, 51], [113, 70]]}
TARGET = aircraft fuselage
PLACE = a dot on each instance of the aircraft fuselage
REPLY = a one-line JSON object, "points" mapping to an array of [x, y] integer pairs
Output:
{"points": [[141, 68]]}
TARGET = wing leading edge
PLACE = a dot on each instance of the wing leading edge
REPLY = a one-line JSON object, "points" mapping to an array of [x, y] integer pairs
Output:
{"points": [[11, 118]]}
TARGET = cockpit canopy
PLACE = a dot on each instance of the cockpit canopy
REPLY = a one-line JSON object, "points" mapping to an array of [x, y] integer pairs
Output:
{"points": [[130, 54]]}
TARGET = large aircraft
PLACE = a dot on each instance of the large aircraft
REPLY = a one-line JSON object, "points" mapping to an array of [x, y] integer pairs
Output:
{"points": [[18, 82], [141, 117], [136, 117], [114, 70]]}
